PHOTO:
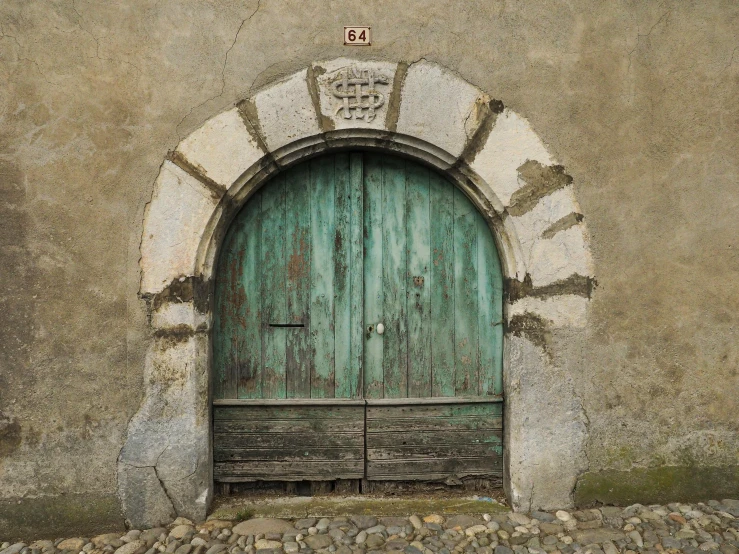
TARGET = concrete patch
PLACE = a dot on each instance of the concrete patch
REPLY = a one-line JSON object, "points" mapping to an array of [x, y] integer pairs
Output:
{"points": [[168, 438]]}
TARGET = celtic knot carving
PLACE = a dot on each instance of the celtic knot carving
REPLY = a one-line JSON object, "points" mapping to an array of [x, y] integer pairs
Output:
{"points": [[359, 97]]}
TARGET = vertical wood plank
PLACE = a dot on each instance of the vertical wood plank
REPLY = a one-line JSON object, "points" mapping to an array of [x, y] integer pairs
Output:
{"points": [[490, 290], [441, 286], [418, 282], [322, 232], [250, 315], [342, 278], [297, 243], [466, 340], [372, 270], [394, 277], [356, 264], [228, 298], [274, 293]]}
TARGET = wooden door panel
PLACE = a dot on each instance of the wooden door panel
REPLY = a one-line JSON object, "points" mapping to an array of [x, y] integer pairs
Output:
{"points": [[315, 260], [288, 315], [432, 277]]}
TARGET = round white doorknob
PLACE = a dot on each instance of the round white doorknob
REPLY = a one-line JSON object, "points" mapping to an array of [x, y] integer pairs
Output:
{"points": [[380, 328]]}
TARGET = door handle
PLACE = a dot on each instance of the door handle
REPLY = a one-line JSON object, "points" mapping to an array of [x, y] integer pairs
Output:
{"points": [[380, 328]]}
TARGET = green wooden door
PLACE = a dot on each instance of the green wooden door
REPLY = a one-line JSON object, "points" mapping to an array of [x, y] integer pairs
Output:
{"points": [[314, 262]]}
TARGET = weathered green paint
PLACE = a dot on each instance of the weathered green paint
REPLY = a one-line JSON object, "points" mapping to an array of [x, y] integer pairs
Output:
{"points": [[322, 276], [274, 290], [373, 291], [490, 311], [394, 271], [442, 287], [315, 261], [297, 223], [466, 338], [356, 281], [418, 281]]}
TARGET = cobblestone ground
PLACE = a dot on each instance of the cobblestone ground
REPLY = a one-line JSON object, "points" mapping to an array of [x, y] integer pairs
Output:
{"points": [[692, 528]]}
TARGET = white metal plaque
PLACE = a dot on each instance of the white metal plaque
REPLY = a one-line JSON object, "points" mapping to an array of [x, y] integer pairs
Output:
{"points": [[357, 36]]}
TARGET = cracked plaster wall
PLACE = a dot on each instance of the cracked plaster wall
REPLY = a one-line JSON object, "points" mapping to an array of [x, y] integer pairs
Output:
{"points": [[637, 100]]}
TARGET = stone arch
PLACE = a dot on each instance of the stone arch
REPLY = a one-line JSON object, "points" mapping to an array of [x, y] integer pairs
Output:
{"points": [[420, 110]]}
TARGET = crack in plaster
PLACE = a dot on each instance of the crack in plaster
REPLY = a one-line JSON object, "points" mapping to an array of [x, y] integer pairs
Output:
{"points": [[223, 72], [640, 36], [80, 19], [30, 60]]}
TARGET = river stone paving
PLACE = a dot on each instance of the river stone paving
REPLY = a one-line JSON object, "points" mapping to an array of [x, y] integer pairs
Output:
{"points": [[700, 528]]}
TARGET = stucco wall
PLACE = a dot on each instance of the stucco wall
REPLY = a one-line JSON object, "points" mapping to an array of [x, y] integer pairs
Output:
{"points": [[637, 100]]}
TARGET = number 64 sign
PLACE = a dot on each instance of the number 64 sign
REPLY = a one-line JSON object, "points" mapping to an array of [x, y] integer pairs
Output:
{"points": [[357, 36]]}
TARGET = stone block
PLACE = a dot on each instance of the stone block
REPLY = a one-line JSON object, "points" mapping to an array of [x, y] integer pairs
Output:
{"points": [[222, 149], [438, 107], [285, 111], [549, 210], [510, 143], [565, 254], [332, 108], [175, 220], [145, 501], [170, 432], [541, 408]]}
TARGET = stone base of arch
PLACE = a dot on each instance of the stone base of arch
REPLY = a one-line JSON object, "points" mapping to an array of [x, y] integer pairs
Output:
{"points": [[418, 110]]}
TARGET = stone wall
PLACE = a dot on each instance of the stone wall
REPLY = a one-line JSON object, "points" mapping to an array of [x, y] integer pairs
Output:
{"points": [[637, 100]]}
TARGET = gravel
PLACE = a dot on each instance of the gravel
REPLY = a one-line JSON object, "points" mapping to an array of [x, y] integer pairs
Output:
{"points": [[711, 527]]}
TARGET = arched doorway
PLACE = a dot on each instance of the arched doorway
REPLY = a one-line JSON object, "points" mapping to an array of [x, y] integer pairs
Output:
{"points": [[358, 329]]}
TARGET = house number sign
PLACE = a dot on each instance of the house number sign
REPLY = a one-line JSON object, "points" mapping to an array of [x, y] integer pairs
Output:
{"points": [[357, 36]]}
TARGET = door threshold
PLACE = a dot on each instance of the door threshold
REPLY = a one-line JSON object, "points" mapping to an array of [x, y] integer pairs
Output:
{"points": [[297, 507]]}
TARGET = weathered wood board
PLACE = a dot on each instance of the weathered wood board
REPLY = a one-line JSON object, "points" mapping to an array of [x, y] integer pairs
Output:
{"points": [[434, 441], [288, 442]]}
